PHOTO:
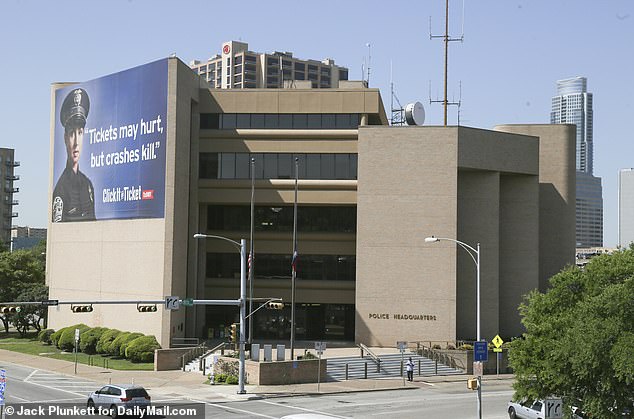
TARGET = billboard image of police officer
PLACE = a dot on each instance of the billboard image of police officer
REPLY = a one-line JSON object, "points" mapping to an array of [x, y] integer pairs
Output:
{"points": [[109, 146]]}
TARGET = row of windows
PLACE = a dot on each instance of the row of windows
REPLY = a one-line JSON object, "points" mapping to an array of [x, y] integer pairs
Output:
{"points": [[268, 266], [339, 219], [279, 121], [318, 166]]}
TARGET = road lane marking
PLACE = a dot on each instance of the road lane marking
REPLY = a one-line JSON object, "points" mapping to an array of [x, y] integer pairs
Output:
{"points": [[220, 406], [302, 409], [30, 375]]}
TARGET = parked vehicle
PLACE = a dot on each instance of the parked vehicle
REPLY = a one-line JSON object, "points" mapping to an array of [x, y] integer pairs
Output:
{"points": [[113, 397], [537, 409]]}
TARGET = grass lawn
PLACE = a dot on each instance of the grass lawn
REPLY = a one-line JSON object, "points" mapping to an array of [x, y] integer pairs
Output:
{"points": [[29, 345]]}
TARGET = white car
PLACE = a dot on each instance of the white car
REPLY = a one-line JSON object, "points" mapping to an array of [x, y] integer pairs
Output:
{"points": [[536, 409], [115, 397]]}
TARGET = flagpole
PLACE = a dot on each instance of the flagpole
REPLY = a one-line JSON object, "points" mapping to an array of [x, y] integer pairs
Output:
{"points": [[294, 262], [251, 248]]}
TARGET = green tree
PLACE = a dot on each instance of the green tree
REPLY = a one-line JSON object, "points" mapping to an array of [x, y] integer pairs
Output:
{"points": [[19, 270], [579, 338], [30, 316]]}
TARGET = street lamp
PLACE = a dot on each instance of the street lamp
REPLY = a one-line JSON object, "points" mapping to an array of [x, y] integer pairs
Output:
{"points": [[242, 301], [475, 256]]}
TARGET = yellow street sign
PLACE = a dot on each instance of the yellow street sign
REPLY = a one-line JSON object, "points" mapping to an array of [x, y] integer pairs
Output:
{"points": [[497, 341], [497, 349]]}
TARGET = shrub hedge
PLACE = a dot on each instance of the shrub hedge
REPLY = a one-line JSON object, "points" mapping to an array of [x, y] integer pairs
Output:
{"points": [[142, 349], [67, 338], [45, 336], [89, 339], [100, 340], [103, 346]]}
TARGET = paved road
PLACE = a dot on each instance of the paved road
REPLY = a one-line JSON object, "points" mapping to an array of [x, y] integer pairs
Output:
{"points": [[427, 400]]}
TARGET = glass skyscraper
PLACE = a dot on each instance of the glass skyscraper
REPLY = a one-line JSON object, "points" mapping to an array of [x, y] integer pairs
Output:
{"points": [[573, 105]]}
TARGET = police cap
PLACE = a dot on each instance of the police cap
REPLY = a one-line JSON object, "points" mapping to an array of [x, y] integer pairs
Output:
{"points": [[75, 109]]}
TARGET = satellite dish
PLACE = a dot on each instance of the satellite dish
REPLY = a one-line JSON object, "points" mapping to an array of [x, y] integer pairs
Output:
{"points": [[415, 113]]}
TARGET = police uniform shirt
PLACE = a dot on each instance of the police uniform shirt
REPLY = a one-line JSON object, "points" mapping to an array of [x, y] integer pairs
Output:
{"points": [[73, 197]]}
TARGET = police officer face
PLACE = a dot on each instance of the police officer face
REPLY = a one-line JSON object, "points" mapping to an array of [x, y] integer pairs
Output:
{"points": [[73, 137]]}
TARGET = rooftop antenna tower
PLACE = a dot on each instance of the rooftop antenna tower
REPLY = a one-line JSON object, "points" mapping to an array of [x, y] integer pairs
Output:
{"points": [[398, 114], [446, 39], [369, 56], [452, 103]]}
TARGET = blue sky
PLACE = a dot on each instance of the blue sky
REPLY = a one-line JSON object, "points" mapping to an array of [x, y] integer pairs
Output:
{"points": [[513, 53]]}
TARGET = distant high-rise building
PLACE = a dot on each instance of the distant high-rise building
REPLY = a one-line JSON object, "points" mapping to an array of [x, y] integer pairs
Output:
{"points": [[573, 105], [7, 201], [626, 207], [238, 68]]}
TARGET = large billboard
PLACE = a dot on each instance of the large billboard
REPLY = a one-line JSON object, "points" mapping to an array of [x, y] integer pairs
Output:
{"points": [[109, 146]]}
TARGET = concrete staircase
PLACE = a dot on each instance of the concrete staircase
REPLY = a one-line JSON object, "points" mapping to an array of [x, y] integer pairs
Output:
{"points": [[390, 366]]}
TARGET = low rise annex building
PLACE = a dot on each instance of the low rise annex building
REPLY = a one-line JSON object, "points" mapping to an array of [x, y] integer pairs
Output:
{"points": [[368, 195]]}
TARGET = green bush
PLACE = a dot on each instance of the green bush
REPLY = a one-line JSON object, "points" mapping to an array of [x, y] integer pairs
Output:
{"points": [[142, 349], [89, 339], [45, 336], [125, 341], [67, 339], [220, 378], [113, 348], [231, 379], [466, 347], [55, 336], [105, 340]]}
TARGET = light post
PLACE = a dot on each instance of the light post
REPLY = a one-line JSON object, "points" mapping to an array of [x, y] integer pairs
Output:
{"points": [[242, 247], [475, 256]]}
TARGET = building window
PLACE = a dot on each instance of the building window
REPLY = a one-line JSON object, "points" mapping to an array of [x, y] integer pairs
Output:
{"points": [[314, 219], [277, 121], [317, 166]]}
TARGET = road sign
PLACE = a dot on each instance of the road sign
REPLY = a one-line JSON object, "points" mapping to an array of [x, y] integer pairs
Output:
{"points": [[497, 341], [320, 347], [50, 302], [480, 351], [188, 302], [401, 345], [554, 409], [172, 303], [497, 349], [76, 335]]}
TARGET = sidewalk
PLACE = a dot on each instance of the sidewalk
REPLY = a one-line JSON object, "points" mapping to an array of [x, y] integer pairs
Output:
{"points": [[178, 384]]}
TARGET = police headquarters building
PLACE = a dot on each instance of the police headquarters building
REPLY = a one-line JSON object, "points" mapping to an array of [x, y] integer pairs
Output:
{"points": [[143, 159]]}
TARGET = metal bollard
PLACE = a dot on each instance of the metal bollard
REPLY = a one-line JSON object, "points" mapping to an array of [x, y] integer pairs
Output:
{"points": [[419, 367], [346, 371], [365, 372], [378, 365], [401, 368], [436, 370]]}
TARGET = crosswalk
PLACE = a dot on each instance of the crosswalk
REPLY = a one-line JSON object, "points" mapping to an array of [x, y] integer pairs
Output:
{"points": [[74, 385], [390, 366]]}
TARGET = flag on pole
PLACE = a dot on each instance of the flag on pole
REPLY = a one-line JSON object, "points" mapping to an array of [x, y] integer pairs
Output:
{"points": [[294, 261]]}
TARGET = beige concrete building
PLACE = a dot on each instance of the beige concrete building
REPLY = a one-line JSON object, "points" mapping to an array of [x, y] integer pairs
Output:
{"points": [[238, 68], [368, 196]]}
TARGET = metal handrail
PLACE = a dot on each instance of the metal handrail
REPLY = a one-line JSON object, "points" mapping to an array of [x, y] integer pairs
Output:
{"points": [[203, 359], [373, 356], [192, 353]]}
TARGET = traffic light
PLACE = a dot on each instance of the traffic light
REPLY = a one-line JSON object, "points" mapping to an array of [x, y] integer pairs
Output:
{"points": [[234, 333], [11, 309], [81, 309], [146, 308], [273, 305]]}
